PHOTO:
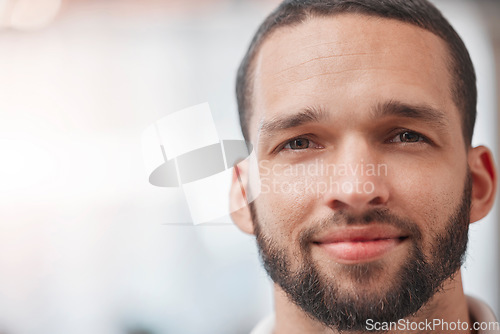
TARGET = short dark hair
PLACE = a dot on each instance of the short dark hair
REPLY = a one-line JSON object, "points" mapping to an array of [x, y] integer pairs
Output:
{"points": [[420, 13]]}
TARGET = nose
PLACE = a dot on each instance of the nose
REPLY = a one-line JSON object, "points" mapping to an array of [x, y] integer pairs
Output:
{"points": [[358, 178]]}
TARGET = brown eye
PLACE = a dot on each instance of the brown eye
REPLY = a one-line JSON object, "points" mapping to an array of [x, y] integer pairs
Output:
{"points": [[409, 137], [298, 144]]}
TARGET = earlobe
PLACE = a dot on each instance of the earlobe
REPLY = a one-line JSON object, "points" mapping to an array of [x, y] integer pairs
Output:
{"points": [[240, 211], [484, 181]]}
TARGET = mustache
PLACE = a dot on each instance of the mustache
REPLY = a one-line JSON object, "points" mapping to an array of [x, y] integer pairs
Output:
{"points": [[346, 218]]}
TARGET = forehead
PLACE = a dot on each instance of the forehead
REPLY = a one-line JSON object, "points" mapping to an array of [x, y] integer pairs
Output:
{"points": [[337, 60]]}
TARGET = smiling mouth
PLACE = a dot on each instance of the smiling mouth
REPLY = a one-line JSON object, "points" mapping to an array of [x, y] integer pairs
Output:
{"points": [[351, 246]]}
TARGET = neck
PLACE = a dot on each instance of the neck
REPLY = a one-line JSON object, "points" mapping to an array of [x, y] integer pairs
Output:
{"points": [[449, 305]]}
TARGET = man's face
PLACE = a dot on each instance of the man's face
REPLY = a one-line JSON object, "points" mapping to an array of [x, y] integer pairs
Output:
{"points": [[365, 190]]}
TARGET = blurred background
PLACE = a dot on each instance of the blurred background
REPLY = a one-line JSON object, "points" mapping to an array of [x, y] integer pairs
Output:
{"points": [[87, 245]]}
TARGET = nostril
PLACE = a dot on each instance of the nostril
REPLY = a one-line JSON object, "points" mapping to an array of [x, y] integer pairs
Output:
{"points": [[338, 205], [377, 201]]}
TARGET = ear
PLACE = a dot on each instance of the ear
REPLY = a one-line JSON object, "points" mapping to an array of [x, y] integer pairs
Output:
{"points": [[484, 182], [238, 205]]}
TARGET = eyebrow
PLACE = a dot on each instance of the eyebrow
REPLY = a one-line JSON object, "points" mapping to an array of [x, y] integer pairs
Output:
{"points": [[422, 112], [304, 116]]}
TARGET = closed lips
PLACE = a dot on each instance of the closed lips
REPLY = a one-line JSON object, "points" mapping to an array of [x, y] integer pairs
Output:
{"points": [[360, 234], [360, 244]]}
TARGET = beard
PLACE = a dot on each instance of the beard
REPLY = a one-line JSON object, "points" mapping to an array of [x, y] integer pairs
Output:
{"points": [[322, 298]]}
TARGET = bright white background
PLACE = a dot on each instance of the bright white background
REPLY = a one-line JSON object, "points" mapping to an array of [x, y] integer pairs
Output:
{"points": [[84, 245]]}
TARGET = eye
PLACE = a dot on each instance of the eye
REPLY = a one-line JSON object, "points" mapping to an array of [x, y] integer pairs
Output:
{"points": [[300, 143], [408, 137]]}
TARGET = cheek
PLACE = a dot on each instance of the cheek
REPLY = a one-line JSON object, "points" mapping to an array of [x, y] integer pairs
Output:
{"points": [[285, 203], [428, 195]]}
